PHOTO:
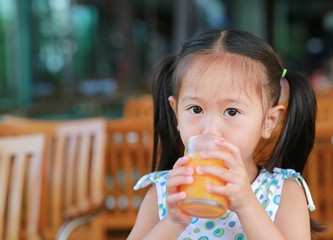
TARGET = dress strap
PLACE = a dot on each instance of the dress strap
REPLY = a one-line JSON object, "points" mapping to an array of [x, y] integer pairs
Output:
{"points": [[149, 179], [292, 174]]}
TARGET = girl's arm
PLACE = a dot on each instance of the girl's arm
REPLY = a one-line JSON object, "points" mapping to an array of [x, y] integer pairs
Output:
{"points": [[147, 217], [148, 225], [292, 219]]}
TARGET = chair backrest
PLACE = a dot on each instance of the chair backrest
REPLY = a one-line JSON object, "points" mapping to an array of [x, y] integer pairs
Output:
{"points": [[21, 169], [129, 156], [139, 107], [325, 108], [77, 170], [319, 172], [10, 130], [75, 183]]}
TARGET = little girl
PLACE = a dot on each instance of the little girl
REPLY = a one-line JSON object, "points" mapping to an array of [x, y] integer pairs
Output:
{"points": [[227, 83]]}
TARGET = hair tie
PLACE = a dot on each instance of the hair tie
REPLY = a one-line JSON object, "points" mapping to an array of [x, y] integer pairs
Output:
{"points": [[284, 73]]}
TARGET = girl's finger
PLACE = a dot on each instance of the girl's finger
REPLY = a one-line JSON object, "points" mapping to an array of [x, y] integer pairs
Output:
{"points": [[176, 181], [181, 161], [181, 171], [231, 148], [173, 199], [226, 157], [219, 172], [219, 190]]}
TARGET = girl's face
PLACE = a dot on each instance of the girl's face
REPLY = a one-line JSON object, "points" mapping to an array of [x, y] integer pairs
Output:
{"points": [[214, 102]]}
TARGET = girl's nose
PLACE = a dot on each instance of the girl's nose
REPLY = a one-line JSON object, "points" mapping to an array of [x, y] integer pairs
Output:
{"points": [[213, 126]]}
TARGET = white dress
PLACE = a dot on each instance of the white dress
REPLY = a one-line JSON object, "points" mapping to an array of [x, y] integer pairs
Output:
{"points": [[267, 187]]}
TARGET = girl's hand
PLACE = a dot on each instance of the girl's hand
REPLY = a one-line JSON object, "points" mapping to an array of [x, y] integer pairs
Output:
{"points": [[238, 188], [177, 176]]}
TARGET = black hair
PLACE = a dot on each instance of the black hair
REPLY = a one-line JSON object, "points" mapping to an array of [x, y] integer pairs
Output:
{"points": [[168, 146], [296, 137]]}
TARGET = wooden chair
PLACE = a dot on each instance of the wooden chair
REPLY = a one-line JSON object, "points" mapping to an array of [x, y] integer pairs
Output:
{"points": [[139, 107], [75, 183], [318, 173], [129, 157], [21, 168], [325, 108], [7, 130]]}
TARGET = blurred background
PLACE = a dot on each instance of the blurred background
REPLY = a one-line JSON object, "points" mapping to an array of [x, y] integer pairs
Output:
{"points": [[91, 61], [63, 59]]}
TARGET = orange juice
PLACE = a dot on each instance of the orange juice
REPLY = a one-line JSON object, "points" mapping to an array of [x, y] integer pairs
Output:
{"points": [[199, 202]]}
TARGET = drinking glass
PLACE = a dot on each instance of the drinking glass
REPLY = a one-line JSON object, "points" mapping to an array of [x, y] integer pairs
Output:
{"points": [[199, 202]]}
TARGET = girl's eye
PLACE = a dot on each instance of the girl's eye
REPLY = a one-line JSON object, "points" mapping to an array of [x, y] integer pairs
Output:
{"points": [[196, 109], [231, 112]]}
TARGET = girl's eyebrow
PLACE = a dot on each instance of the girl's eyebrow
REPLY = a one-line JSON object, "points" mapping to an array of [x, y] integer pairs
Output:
{"points": [[232, 100], [226, 100], [190, 98]]}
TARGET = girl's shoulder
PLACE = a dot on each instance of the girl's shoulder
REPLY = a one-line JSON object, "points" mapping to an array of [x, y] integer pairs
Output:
{"points": [[280, 173], [272, 182], [158, 180]]}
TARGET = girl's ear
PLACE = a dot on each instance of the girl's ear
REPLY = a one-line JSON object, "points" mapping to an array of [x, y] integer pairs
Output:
{"points": [[272, 119], [173, 104]]}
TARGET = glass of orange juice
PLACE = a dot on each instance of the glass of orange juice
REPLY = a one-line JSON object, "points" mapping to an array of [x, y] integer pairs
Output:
{"points": [[199, 202]]}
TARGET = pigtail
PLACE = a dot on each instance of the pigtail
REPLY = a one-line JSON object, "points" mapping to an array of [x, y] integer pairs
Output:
{"points": [[297, 139], [168, 146]]}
